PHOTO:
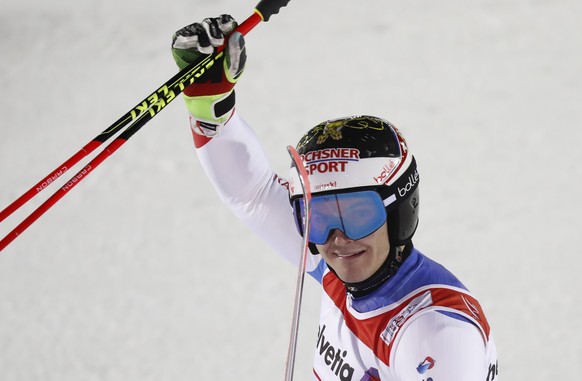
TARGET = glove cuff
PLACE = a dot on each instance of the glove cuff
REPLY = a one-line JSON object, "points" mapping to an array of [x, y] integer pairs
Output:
{"points": [[209, 113]]}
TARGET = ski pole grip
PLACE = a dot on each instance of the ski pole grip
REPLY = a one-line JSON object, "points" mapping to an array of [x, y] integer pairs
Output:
{"points": [[268, 8]]}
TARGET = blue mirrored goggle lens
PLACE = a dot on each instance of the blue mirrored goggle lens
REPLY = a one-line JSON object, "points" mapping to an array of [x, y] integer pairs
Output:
{"points": [[356, 214]]}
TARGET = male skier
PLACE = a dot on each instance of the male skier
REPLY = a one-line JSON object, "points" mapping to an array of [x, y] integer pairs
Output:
{"points": [[388, 312]]}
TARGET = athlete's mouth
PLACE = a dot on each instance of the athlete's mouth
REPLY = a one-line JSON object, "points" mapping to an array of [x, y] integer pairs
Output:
{"points": [[350, 255]]}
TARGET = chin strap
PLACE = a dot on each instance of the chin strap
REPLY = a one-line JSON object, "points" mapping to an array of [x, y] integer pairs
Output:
{"points": [[395, 258]]}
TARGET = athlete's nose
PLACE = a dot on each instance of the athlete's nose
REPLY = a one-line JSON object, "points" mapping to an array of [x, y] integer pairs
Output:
{"points": [[339, 238]]}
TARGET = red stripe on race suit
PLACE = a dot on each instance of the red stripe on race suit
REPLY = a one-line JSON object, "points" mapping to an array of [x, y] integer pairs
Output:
{"points": [[369, 330]]}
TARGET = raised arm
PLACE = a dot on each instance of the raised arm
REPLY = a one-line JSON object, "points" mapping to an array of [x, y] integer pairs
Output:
{"points": [[229, 151]]}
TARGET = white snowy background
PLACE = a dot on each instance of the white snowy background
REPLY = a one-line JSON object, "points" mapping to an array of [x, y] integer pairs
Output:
{"points": [[140, 273]]}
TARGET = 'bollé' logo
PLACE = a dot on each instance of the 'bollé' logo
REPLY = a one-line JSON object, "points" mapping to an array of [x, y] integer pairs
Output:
{"points": [[412, 181]]}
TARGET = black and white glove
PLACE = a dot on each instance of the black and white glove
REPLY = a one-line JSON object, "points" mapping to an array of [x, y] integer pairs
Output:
{"points": [[210, 99]]}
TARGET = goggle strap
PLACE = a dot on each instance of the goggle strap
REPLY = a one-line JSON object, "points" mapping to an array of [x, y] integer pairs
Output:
{"points": [[389, 200]]}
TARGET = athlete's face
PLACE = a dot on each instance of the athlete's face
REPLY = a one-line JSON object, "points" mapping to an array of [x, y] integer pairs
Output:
{"points": [[356, 260]]}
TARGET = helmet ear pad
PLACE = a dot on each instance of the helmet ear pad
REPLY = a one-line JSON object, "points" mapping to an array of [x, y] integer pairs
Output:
{"points": [[402, 221]]}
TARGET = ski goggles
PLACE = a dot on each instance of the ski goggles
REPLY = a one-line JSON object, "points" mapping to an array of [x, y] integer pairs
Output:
{"points": [[356, 214]]}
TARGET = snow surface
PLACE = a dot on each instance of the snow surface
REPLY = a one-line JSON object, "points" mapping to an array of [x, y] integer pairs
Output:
{"points": [[140, 273]]}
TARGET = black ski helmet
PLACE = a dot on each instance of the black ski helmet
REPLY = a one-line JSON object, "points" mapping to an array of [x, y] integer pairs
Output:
{"points": [[363, 152]]}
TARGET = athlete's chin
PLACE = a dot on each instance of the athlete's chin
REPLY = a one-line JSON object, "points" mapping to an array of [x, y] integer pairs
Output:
{"points": [[353, 274], [353, 278]]}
